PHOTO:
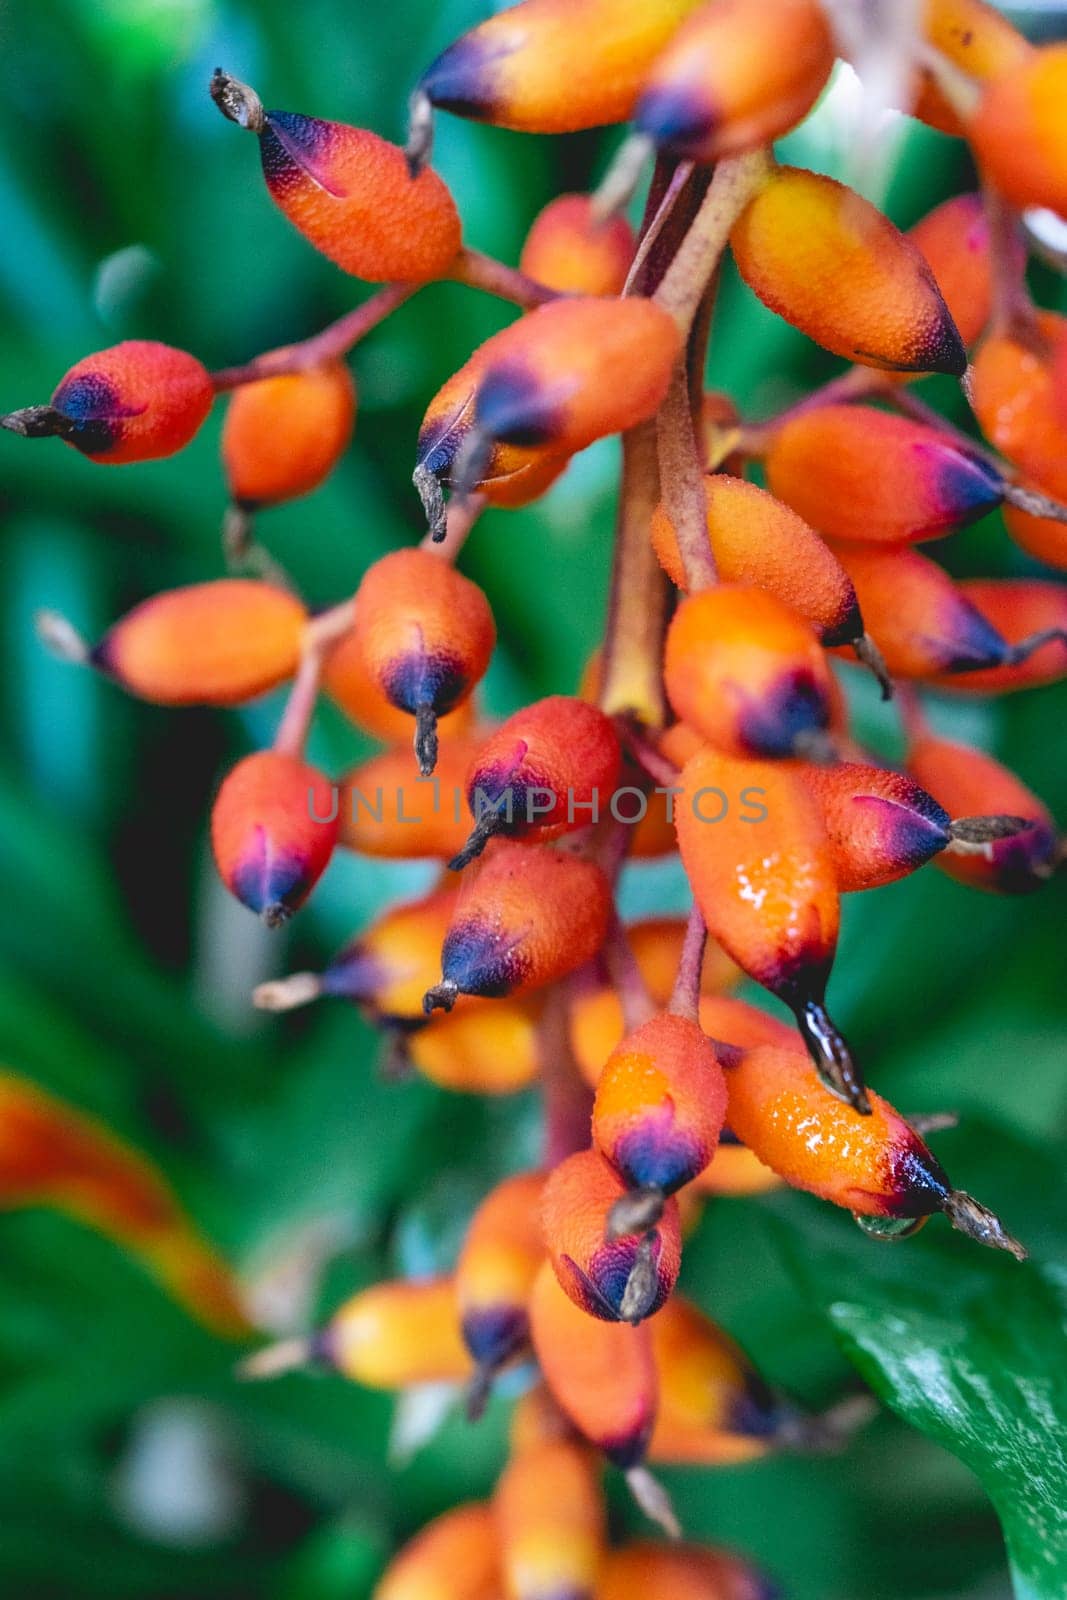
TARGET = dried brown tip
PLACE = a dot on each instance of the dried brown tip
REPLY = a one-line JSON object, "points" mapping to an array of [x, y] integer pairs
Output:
{"points": [[933, 1122], [635, 1212], [394, 1059], [653, 1500], [832, 1056], [817, 746], [642, 1285], [38, 422], [285, 994], [976, 836], [478, 1392], [1025, 648], [617, 187], [237, 524], [433, 502], [978, 1222], [276, 915], [426, 739], [487, 826], [1034, 503], [418, 147], [865, 650], [237, 101], [61, 637], [442, 997], [827, 1432], [967, 385], [288, 1355]]}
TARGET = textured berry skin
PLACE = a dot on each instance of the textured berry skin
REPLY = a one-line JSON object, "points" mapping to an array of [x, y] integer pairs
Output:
{"points": [[881, 825], [454, 1557], [138, 401], [350, 194], [737, 74], [875, 1165], [823, 258], [554, 66], [660, 1104], [552, 759], [501, 1255], [767, 889], [920, 619], [745, 671], [1016, 401], [1016, 608], [954, 241], [425, 631], [680, 1571], [388, 811], [601, 1374], [269, 847], [1017, 131], [527, 915], [757, 540], [971, 783], [860, 474], [214, 644], [54, 1155], [593, 1270], [482, 1047], [714, 1407], [396, 1334], [283, 436], [350, 684], [551, 1522], [571, 252], [389, 966]]}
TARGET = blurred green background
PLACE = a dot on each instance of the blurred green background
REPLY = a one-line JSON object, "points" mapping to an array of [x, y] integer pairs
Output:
{"points": [[131, 1461]]}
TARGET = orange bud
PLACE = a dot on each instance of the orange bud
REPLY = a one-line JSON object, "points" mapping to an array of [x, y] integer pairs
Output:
{"points": [[551, 1522], [138, 401], [737, 1022], [827, 261], [348, 681], [1020, 611], [746, 672], [1044, 538], [714, 1407], [540, 772], [396, 1334], [977, 39], [53, 1155], [482, 1047], [283, 436], [501, 1255], [273, 829], [526, 916], [758, 541], [554, 66], [388, 810], [1015, 400], [970, 783], [1018, 130], [738, 74], [735, 1172], [215, 644], [860, 474], [455, 1557], [601, 1374], [682, 1571], [880, 824], [568, 249], [660, 1104], [954, 239], [426, 634]]}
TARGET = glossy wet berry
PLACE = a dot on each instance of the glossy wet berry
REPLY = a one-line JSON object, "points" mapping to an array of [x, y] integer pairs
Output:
{"points": [[273, 831], [138, 401]]}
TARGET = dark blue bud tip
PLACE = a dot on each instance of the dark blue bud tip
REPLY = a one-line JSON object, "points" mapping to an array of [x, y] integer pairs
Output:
{"points": [[678, 120], [478, 959], [272, 887], [461, 80], [944, 350], [512, 406]]}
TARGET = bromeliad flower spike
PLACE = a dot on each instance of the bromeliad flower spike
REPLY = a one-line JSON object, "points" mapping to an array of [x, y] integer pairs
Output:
{"points": [[727, 608]]}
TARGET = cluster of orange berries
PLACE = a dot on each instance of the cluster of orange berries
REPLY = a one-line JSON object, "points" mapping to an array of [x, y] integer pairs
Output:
{"points": [[661, 1087]]}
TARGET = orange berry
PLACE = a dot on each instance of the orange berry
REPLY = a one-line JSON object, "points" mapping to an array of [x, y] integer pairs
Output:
{"points": [[455, 1557], [880, 824], [1019, 610], [138, 401], [426, 634], [396, 1334], [746, 672], [758, 541], [714, 1407], [827, 261], [725, 1018], [214, 644], [866, 475], [682, 1571], [283, 436], [660, 1104], [976, 38], [737, 74], [526, 916], [954, 239], [388, 810], [482, 1047], [551, 1522], [545, 771], [735, 1172], [273, 829], [1015, 399], [568, 249], [601, 1374], [348, 681], [501, 1255], [1018, 130], [970, 783], [606, 1276], [1044, 538], [554, 66]]}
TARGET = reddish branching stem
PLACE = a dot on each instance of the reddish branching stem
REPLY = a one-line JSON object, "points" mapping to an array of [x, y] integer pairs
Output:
{"points": [[685, 996]]}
